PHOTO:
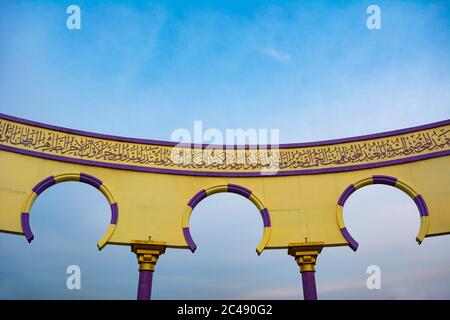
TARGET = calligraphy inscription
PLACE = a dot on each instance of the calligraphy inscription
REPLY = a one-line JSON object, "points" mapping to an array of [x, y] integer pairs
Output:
{"points": [[46, 141]]}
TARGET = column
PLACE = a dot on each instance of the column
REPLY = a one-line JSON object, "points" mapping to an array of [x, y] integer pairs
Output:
{"points": [[147, 253], [305, 254]]}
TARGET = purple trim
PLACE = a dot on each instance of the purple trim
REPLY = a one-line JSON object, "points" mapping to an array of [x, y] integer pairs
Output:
{"points": [[351, 242], [391, 181], [93, 181], [190, 242], [44, 184], [145, 285], [25, 220], [344, 196], [50, 181], [225, 174], [235, 188], [309, 285], [114, 213], [421, 205], [199, 196], [169, 143], [266, 217]]}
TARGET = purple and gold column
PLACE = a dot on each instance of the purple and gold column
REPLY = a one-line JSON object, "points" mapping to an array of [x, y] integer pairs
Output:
{"points": [[305, 254], [147, 253]]}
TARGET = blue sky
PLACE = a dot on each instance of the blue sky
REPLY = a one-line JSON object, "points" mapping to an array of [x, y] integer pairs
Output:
{"points": [[311, 69]]}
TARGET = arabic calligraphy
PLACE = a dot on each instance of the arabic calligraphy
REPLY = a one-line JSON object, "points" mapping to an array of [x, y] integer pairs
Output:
{"points": [[64, 144]]}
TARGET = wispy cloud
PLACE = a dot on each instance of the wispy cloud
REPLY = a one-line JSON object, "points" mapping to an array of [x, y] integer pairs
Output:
{"points": [[277, 54]]}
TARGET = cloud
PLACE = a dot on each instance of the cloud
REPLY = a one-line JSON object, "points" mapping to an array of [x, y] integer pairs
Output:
{"points": [[277, 54]]}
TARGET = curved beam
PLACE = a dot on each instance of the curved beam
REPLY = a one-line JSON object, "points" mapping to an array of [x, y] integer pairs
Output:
{"points": [[386, 180], [233, 188], [81, 177], [322, 157]]}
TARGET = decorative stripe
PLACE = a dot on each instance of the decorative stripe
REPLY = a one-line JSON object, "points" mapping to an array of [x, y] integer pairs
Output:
{"points": [[199, 196], [391, 181], [224, 173], [264, 240], [186, 216], [256, 202], [31, 198], [81, 177], [234, 188], [405, 188], [25, 219], [347, 192], [44, 184], [421, 205], [187, 236], [340, 216], [265, 217], [217, 189], [114, 213], [363, 183], [174, 144], [387, 180], [105, 190], [67, 177], [424, 222], [108, 234], [93, 181], [351, 242]]}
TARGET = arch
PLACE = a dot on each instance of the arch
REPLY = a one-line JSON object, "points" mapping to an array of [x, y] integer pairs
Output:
{"points": [[390, 181], [233, 188], [80, 177]]}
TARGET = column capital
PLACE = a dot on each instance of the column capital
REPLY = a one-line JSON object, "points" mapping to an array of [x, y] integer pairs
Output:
{"points": [[305, 254], [147, 253]]}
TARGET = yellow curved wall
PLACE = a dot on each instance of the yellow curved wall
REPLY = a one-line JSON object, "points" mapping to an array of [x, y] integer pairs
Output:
{"points": [[302, 206]]}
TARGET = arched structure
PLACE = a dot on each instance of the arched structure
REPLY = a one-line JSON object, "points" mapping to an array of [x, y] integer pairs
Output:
{"points": [[80, 177], [232, 188], [304, 186], [386, 180]]}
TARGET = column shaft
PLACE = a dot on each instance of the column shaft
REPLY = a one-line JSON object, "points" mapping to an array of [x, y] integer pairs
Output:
{"points": [[309, 285], [145, 285], [147, 253], [305, 254]]}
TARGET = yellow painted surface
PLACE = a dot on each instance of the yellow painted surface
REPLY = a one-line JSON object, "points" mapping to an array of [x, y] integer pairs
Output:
{"points": [[301, 207]]}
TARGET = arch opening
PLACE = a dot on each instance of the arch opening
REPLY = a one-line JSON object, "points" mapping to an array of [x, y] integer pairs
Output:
{"points": [[384, 180], [230, 188], [65, 177]]}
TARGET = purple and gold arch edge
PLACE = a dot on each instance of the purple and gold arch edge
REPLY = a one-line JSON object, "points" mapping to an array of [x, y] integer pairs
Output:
{"points": [[386, 180], [232, 188], [64, 177]]}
